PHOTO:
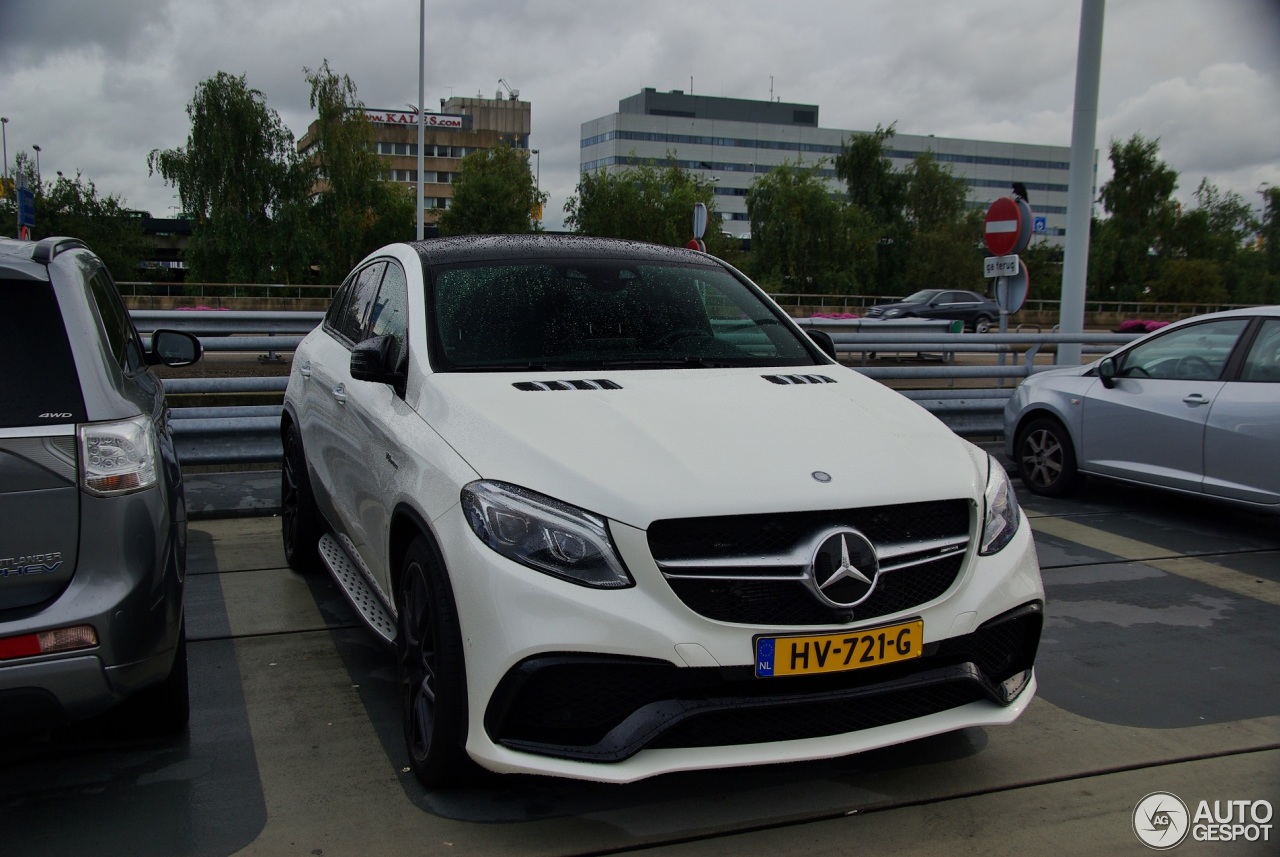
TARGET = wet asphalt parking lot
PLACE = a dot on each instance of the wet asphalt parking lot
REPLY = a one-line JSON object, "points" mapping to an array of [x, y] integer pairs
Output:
{"points": [[1159, 670]]}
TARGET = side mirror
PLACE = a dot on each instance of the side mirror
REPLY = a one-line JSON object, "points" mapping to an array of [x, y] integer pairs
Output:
{"points": [[825, 343], [1107, 372], [174, 348], [377, 360]]}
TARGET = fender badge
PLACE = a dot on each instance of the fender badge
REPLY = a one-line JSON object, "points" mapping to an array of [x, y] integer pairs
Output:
{"points": [[821, 477]]}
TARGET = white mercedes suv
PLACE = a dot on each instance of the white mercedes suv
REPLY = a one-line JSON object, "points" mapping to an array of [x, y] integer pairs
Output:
{"points": [[618, 516]]}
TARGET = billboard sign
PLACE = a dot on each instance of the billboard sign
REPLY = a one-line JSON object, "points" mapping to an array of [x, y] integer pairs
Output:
{"points": [[408, 117]]}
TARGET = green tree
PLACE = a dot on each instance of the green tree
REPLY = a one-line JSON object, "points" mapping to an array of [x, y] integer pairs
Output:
{"points": [[1138, 200], [879, 191], [494, 194], [73, 207], [644, 203], [238, 170], [803, 238], [1188, 281], [355, 210], [1269, 229], [1044, 262], [942, 231]]}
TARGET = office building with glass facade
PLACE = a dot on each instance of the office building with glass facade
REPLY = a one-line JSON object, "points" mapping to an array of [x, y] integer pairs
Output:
{"points": [[731, 141]]}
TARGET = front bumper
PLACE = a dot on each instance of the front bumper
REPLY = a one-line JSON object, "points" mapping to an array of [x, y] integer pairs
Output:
{"points": [[600, 709], [619, 685]]}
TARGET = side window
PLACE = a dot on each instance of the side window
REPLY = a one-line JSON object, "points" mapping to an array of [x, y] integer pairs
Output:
{"points": [[354, 320], [122, 340], [339, 303], [390, 313], [1195, 353], [1263, 362]]}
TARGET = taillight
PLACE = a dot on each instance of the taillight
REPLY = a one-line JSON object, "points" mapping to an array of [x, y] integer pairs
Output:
{"points": [[117, 457], [48, 642]]}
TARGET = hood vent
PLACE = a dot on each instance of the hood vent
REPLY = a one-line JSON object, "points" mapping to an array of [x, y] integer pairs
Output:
{"points": [[787, 380], [537, 386]]}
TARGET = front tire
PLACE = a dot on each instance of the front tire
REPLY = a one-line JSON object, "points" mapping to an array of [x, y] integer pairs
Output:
{"points": [[300, 523], [432, 672], [982, 324], [1046, 458]]}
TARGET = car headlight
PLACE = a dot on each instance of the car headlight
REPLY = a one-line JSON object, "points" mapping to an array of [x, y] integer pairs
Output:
{"points": [[892, 313], [117, 457], [544, 534], [1002, 515]]}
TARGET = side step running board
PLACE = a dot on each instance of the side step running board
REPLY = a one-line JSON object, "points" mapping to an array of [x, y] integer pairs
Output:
{"points": [[358, 590]]}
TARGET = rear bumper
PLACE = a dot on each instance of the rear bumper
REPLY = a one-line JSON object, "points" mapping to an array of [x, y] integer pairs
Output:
{"points": [[128, 585]]}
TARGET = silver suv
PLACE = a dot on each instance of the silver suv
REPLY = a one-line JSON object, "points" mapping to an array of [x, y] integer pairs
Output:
{"points": [[92, 518]]}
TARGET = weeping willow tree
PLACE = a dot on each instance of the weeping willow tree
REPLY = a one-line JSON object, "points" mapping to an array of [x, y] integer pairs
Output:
{"points": [[238, 174], [355, 210]]}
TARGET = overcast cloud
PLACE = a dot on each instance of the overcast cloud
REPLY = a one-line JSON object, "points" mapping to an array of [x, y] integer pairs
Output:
{"points": [[98, 85]]}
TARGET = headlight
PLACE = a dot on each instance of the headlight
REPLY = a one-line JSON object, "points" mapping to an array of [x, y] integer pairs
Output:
{"points": [[1002, 514], [892, 313], [544, 534], [118, 457]]}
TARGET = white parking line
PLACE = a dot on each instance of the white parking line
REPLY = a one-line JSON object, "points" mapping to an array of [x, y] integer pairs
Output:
{"points": [[1192, 568]]}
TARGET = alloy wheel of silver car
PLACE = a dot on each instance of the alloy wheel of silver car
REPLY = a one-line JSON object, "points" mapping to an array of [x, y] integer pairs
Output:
{"points": [[1047, 459]]}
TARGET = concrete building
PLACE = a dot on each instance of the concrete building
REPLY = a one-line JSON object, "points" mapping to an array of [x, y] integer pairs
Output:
{"points": [[731, 141], [463, 126]]}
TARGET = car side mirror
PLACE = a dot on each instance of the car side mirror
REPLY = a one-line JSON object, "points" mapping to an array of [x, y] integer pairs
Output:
{"points": [[825, 343], [174, 348], [376, 360], [1107, 372]]}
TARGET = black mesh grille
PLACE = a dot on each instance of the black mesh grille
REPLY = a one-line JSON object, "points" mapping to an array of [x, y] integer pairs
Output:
{"points": [[772, 602], [747, 535], [818, 718], [756, 602]]}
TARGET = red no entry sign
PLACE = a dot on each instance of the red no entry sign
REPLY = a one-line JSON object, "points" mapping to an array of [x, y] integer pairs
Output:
{"points": [[1003, 226]]}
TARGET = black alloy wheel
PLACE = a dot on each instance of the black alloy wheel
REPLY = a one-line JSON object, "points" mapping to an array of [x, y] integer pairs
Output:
{"points": [[1046, 458], [300, 524], [431, 671]]}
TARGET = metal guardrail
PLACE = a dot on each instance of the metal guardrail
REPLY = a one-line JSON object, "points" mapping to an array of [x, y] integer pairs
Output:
{"points": [[250, 433], [1133, 309]]}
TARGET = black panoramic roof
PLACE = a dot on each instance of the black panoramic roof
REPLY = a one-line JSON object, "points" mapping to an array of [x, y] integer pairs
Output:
{"points": [[481, 248]]}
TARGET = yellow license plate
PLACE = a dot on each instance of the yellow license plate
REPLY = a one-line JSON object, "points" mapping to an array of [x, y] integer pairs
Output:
{"points": [[847, 650]]}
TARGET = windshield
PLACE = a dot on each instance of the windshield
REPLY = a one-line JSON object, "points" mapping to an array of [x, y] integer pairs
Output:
{"points": [[603, 314]]}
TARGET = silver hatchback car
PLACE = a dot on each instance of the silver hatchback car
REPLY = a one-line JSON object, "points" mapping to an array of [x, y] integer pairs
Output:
{"points": [[92, 519], [1193, 407]]}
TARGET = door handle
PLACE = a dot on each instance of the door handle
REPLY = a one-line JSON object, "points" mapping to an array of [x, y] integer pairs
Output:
{"points": [[305, 371], [340, 393], [1196, 399]]}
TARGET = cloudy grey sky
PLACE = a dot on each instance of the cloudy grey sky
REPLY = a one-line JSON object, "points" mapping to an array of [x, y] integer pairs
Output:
{"points": [[100, 83]]}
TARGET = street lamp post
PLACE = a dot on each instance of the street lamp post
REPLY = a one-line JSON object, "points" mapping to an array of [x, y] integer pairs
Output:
{"points": [[37, 148], [537, 175], [4, 136]]}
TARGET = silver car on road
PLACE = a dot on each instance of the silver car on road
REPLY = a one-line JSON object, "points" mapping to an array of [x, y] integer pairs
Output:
{"points": [[1193, 407]]}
